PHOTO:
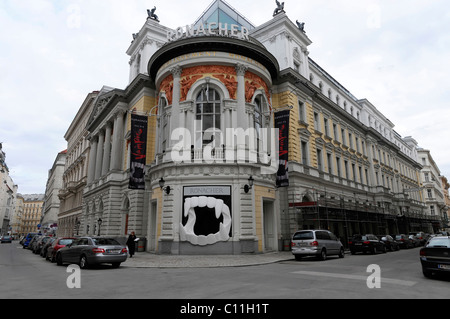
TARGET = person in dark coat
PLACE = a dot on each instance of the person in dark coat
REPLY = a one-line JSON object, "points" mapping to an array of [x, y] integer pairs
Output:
{"points": [[131, 244]]}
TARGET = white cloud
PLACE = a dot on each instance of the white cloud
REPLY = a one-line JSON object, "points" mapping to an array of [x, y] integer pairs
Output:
{"points": [[54, 52]]}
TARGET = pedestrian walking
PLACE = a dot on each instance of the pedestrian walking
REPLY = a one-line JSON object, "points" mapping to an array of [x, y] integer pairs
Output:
{"points": [[131, 243]]}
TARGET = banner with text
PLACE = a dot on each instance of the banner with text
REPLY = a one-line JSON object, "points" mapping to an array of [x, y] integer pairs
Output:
{"points": [[282, 123], [138, 151]]}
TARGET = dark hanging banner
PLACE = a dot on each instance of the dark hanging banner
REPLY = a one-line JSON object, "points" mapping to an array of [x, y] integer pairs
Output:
{"points": [[282, 123], [138, 151]]}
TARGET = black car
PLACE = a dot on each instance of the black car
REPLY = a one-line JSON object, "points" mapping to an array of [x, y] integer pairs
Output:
{"points": [[390, 242], [435, 256], [37, 247], [403, 241], [44, 248], [366, 243]]}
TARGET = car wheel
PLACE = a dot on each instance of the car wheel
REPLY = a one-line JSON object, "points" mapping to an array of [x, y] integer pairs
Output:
{"points": [[116, 265], [59, 261], [83, 262], [374, 250], [341, 253], [426, 273], [298, 257], [323, 255]]}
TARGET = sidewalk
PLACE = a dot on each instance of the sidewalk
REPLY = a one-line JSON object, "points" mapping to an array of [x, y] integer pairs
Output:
{"points": [[147, 260]]}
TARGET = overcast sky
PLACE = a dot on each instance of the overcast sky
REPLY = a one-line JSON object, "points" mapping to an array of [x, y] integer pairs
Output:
{"points": [[395, 53]]}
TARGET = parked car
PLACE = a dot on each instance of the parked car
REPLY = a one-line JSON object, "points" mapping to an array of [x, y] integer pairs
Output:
{"points": [[56, 245], [403, 241], [33, 242], [27, 239], [87, 251], [48, 244], [414, 240], [434, 257], [390, 242], [319, 243], [421, 237], [6, 239], [39, 244], [366, 243]]}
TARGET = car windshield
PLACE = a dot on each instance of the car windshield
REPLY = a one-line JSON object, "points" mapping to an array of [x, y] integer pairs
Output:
{"points": [[439, 242], [105, 241], [303, 235], [65, 241]]}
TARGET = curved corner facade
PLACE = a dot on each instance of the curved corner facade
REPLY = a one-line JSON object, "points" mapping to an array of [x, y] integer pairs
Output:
{"points": [[229, 138]]}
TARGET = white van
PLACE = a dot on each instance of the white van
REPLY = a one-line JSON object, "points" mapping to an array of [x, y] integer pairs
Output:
{"points": [[319, 243]]}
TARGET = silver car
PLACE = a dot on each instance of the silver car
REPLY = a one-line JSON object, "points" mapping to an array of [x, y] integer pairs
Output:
{"points": [[87, 251], [319, 243]]}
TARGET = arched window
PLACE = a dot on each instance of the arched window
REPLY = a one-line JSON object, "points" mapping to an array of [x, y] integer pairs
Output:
{"points": [[208, 113], [259, 121]]}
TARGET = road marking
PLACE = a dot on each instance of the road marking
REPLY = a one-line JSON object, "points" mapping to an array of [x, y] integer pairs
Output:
{"points": [[356, 277]]}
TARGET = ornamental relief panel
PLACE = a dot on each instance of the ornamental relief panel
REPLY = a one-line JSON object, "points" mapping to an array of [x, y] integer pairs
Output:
{"points": [[226, 74]]}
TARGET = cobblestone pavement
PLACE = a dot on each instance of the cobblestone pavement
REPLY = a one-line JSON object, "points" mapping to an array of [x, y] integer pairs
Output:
{"points": [[147, 260]]}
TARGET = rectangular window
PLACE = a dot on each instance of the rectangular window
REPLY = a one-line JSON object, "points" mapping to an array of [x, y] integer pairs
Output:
{"points": [[301, 111], [325, 125], [319, 160], [316, 122], [338, 166], [304, 153], [330, 164]]}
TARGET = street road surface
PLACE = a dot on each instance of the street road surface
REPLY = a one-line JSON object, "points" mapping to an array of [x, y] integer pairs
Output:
{"points": [[25, 275]]}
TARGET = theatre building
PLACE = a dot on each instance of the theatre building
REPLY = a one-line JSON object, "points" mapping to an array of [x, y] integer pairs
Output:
{"points": [[229, 137]]}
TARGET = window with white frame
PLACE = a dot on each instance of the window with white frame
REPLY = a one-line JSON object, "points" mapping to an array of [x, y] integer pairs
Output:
{"points": [[208, 117]]}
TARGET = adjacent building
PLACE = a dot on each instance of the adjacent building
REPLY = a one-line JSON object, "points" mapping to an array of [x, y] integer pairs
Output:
{"points": [[74, 177], [8, 195], [228, 138], [32, 213], [435, 211], [49, 218]]}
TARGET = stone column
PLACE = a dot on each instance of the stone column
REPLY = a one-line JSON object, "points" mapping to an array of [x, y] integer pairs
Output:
{"points": [[92, 155], [107, 149], [175, 117], [116, 153], [242, 122], [99, 155]]}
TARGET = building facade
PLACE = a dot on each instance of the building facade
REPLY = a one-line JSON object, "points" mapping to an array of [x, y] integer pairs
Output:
{"points": [[32, 213], [50, 210], [433, 192], [229, 138], [8, 195], [74, 177]]}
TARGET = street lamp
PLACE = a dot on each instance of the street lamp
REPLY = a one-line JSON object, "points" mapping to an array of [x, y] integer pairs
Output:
{"points": [[99, 221], [162, 182], [77, 225], [250, 184]]}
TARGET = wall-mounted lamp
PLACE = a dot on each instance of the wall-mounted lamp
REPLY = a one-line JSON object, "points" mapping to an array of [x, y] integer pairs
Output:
{"points": [[99, 221], [161, 184], [250, 184]]}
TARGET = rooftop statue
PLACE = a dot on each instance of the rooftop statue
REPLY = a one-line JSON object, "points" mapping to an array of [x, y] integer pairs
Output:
{"points": [[279, 8], [301, 26], [152, 15]]}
